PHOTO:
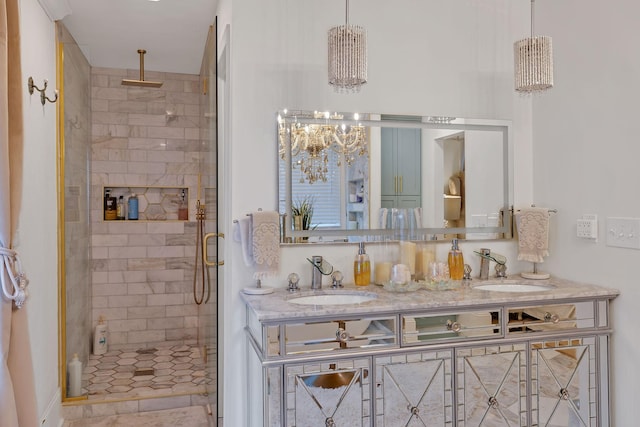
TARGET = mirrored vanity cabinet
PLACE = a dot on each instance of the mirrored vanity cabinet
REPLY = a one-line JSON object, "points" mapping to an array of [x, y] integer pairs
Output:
{"points": [[460, 357]]}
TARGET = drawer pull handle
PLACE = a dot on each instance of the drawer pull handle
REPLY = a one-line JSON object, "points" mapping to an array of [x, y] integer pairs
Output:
{"points": [[414, 410], [493, 402], [553, 318], [453, 326], [563, 394], [342, 335], [329, 422]]}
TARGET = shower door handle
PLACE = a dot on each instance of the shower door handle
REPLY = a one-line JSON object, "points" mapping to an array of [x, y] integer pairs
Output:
{"points": [[204, 249]]}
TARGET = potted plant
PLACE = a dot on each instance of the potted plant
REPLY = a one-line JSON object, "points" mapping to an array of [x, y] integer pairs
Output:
{"points": [[302, 211]]}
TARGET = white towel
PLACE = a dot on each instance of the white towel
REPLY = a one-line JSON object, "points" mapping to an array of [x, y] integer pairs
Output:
{"points": [[265, 243], [242, 234], [533, 234]]}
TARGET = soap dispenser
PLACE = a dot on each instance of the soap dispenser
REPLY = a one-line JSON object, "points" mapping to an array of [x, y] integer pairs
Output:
{"points": [[362, 267], [456, 262]]}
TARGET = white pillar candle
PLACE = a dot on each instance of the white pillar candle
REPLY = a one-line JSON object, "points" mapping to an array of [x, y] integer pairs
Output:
{"points": [[424, 256], [382, 272]]}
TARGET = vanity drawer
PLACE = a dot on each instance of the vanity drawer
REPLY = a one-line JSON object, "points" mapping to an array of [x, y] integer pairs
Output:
{"points": [[551, 317], [418, 329], [313, 337]]}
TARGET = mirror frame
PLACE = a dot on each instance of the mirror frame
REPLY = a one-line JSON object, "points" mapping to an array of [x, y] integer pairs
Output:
{"points": [[289, 235]]}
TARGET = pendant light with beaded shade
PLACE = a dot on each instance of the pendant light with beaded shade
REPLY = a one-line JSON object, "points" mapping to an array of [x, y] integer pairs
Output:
{"points": [[347, 56], [533, 62]]}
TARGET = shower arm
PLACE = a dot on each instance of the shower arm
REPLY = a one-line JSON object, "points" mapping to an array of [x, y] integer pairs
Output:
{"points": [[141, 52]]}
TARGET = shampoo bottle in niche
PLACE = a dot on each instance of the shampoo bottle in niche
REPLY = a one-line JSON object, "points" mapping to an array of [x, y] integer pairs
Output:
{"points": [[75, 377], [120, 208], [456, 262], [105, 203], [100, 338], [133, 206], [183, 210], [362, 267], [110, 207]]}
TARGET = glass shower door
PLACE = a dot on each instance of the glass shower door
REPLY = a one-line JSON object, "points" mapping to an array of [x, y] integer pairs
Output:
{"points": [[207, 274]]}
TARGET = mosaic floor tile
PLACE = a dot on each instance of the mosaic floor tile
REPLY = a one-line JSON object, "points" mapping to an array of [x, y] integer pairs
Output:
{"points": [[145, 372]]}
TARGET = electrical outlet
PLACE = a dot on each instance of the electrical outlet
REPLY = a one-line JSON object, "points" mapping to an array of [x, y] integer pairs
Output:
{"points": [[587, 227], [623, 232]]}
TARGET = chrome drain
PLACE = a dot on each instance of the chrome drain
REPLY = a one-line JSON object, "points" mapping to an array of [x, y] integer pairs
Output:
{"points": [[143, 372]]}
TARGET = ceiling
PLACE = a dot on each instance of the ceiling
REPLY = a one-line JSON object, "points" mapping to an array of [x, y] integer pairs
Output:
{"points": [[173, 32]]}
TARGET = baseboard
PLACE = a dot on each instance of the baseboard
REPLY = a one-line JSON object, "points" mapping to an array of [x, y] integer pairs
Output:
{"points": [[52, 414]]}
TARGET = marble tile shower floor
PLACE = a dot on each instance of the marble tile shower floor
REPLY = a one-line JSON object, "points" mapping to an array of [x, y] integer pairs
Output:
{"points": [[124, 374]]}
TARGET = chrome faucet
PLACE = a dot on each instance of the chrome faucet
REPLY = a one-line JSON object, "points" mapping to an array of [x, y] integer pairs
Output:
{"points": [[316, 272], [484, 263], [487, 257], [319, 268]]}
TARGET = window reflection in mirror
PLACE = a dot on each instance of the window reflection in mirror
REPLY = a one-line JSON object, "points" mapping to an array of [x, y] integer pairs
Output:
{"points": [[355, 175]]}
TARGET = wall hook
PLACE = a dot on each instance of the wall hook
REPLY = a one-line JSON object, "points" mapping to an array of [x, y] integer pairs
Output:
{"points": [[43, 95]]}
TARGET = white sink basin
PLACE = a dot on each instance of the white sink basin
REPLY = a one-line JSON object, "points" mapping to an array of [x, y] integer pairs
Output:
{"points": [[512, 286], [342, 298]]}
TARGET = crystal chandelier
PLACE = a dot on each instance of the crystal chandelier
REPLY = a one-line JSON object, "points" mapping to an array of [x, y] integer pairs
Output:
{"points": [[347, 56], [311, 140], [533, 62]]}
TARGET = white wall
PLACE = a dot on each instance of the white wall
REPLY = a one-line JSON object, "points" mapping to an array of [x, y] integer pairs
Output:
{"points": [[37, 230], [585, 159], [457, 61]]}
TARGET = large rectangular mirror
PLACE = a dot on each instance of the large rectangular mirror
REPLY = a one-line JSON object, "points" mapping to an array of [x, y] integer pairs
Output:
{"points": [[345, 176]]}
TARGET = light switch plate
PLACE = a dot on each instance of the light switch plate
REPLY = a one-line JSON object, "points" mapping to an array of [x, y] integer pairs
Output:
{"points": [[623, 232]]}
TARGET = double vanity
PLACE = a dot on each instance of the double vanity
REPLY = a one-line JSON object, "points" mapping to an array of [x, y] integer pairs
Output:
{"points": [[494, 353]]}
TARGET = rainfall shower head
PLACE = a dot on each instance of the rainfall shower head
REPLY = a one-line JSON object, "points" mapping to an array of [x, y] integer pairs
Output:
{"points": [[142, 82]]}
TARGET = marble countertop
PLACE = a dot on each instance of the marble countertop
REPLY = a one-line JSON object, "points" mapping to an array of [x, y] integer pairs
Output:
{"points": [[276, 307]]}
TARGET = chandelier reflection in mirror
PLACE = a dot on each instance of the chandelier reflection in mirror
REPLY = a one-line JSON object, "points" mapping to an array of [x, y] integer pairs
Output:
{"points": [[312, 136]]}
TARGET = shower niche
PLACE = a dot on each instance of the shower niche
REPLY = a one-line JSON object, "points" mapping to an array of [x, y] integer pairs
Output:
{"points": [[153, 203]]}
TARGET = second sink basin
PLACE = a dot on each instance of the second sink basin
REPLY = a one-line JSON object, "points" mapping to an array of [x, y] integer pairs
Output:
{"points": [[512, 286], [338, 298]]}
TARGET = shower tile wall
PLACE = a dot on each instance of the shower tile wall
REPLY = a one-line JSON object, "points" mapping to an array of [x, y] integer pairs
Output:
{"points": [[142, 271]]}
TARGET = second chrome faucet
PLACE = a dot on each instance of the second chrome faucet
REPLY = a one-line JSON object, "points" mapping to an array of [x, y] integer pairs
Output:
{"points": [[319, 268], [484, 263], [486, 258]]}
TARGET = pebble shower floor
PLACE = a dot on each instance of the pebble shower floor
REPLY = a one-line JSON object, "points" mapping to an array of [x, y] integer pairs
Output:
{"points": [[121, 374]]}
